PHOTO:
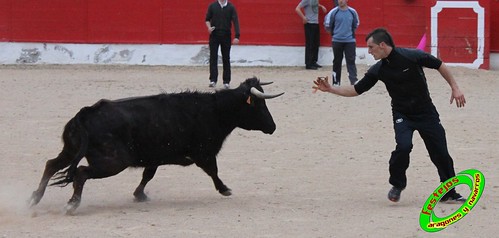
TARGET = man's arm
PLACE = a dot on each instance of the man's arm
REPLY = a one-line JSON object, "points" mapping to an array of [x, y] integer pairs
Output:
{"points": [[235, 20], [210, 28], [324, 9], [300, 14], [323, 85], [357, 18], [456, 92], [207, 20]]}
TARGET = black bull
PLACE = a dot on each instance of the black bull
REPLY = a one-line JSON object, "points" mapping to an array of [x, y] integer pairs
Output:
{"points": [[182, 129]]}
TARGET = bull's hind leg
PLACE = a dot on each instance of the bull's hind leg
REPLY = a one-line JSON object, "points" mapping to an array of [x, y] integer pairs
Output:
{"points": [[63, 160], [78, 182], [147, 175], [106, 167], [210, 167]]}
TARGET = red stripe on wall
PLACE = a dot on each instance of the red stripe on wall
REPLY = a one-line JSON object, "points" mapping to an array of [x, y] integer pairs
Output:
{"points": [[263, 22]]}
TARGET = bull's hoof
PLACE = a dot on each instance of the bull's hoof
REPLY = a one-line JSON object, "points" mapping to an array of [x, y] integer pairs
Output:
{"points": [[34, 199], [141, 198], [70, 208], [227, 192]]}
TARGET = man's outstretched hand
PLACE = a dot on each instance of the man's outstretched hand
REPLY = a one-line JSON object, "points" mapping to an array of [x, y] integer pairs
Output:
{"points": [[322, 84]]}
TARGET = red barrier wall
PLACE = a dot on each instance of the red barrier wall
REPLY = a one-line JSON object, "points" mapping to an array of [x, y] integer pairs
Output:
{"points": [[457, 38], [494, 26], [263, 22]]}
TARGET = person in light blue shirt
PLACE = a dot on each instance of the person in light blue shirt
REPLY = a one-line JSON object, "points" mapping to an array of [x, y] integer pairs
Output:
{"points": [[308, 11], [341, 22]]}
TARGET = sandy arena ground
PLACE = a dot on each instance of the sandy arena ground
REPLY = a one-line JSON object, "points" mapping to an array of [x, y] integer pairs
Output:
{"points": [[323, 173]]}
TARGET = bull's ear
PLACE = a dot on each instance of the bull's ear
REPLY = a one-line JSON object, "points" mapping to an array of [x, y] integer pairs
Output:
{"points": [[248, 101]]}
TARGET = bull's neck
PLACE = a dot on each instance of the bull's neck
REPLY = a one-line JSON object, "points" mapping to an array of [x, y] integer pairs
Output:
{"points": [[227, 108]]}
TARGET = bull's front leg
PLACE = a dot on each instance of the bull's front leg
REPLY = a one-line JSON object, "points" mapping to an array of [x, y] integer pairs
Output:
{"points": [[147, 175], [210, 167]]}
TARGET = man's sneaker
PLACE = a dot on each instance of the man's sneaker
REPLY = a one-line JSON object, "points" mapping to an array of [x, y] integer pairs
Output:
{"points": [[226, 86], [394, 194], [454, 198], [212, 84]]}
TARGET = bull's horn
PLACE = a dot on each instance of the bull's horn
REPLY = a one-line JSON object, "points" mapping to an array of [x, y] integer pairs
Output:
{"points": [[265, 83], [262, 95]]}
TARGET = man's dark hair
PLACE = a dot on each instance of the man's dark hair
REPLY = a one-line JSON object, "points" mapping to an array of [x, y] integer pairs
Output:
{"points": [[381, 35]]}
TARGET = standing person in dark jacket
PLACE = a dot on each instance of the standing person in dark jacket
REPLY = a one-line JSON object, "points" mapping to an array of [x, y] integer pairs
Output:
{"points": [[219, 18], [402, 72]]}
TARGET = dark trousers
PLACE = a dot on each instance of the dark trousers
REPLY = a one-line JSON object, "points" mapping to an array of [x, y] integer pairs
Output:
{"points": [[312, 43], [347, 49], [433, 134], [222, 39]]}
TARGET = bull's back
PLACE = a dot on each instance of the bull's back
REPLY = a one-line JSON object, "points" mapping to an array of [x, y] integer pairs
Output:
{"points": [[152, 130]]}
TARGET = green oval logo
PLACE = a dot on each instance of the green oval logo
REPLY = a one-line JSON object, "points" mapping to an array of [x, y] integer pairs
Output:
{"points": [[427, 218]]}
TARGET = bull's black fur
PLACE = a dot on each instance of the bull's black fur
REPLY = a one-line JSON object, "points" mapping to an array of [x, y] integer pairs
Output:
{"points": [[182, 129]]}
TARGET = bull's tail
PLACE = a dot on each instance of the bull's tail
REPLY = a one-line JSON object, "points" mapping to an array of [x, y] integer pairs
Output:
{"points": [[75, 139]]}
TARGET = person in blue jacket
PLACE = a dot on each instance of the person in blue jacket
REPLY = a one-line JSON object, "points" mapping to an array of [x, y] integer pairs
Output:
{"points": [[342, 22]]}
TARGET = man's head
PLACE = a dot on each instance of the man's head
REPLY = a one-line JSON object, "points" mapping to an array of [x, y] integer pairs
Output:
{"points": [[379, 43], [342, 3]]}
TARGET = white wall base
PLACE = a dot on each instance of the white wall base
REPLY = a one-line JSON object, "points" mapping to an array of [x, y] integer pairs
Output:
{"points": [[494, 61], [139, 54], [173, 55]]}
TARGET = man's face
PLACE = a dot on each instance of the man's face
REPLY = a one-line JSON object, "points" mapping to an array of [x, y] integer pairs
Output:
{"points": [[342, 3], [377, 51]]}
